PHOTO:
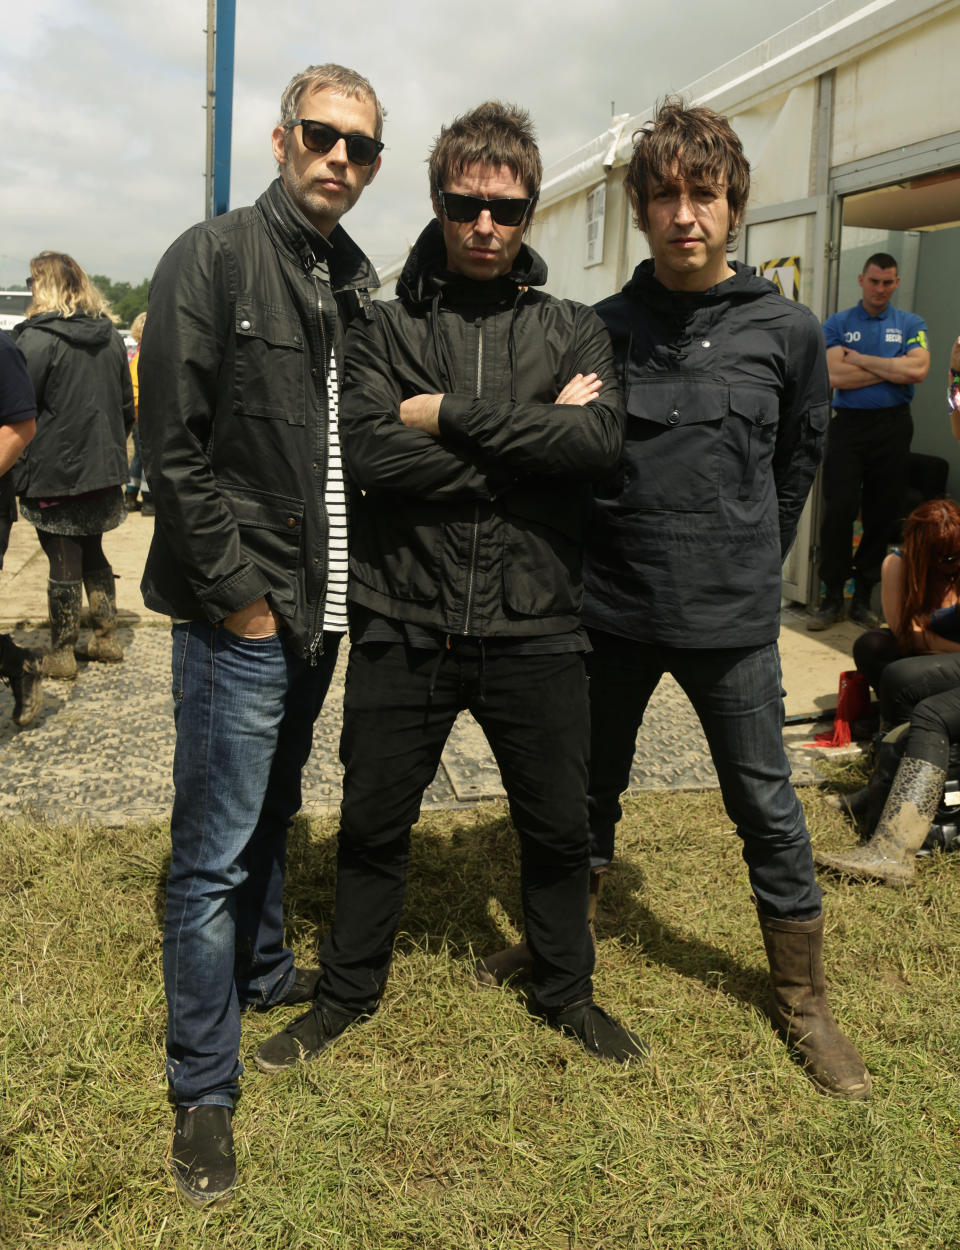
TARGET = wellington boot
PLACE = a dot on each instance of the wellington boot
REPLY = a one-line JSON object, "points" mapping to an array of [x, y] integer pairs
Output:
{"points": [[516, 961], [864, 806], [800, 1012], [22, 670], [890, 854], [64, 600], [102, 645], [829, 612]]}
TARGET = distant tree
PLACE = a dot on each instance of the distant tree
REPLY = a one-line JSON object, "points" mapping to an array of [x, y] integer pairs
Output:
{"points": [[126, 301]]}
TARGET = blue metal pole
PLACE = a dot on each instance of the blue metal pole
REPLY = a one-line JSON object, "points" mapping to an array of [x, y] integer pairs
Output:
{"points": [[223, 104]]}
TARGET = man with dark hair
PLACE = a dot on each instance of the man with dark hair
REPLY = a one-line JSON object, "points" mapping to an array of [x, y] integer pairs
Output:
{"points": [[876, 354], [475, 411], [21, 669], [726, 395], [239, 371]]}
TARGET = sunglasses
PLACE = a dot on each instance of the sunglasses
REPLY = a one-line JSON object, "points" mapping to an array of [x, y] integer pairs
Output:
{"points": [[463, 208], [319, 137]]}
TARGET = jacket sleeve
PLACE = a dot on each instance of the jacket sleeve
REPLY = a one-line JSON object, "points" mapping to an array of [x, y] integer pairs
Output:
{"points": [[381, 453], [551, 440], [38, 351], [802, 429], [186, 338]]}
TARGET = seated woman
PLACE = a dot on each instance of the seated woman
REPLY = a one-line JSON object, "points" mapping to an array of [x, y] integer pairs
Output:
{"points": [[915, 583]]}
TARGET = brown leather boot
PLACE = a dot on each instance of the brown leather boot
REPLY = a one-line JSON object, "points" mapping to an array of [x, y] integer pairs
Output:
{"points": [[890, 855], [800, 1012], [516, 961]]}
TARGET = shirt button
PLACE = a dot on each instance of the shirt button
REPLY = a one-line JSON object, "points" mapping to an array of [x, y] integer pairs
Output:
{"points": [[244, 325], [674, 417], [291, 522]]}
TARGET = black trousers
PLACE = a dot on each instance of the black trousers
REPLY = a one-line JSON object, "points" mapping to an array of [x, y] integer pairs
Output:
{"points": [[399, 708], [864, 470], [924, 689]]}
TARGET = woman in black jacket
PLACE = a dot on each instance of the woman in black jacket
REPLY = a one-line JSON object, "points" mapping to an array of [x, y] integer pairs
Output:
{"points": [[70, 480]]}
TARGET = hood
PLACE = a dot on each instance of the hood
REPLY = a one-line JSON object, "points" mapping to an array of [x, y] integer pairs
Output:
{"points": [[425, 273], [349, 268], [744, 285], [80, 330]]}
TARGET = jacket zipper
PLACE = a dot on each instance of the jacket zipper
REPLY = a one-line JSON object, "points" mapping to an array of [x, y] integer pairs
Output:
{"points": [[475, 537]]}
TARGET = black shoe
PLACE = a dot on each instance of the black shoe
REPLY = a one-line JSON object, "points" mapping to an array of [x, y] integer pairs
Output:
{"points": [[302, 990], [829, 613], [27, 689], [598, 1033], [309, 1034], [202, 1160], [862, 613], [148, 508], [130, 501]]}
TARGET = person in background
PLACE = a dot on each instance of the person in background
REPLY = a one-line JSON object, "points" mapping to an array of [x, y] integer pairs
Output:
{"points": [[137, 482], [20, 668], [70, 479], [240, 375], [876, 355]]}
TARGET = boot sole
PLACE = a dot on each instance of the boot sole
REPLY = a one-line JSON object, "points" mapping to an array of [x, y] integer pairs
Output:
{"points": [[201, 1201]]}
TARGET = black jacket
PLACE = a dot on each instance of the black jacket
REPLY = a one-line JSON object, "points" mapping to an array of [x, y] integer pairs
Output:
{"points": [[479, 531], [233, 413], [78, 367], [727, 400]]}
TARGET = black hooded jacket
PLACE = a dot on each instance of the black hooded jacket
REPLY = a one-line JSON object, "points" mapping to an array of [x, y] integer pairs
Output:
{"points": [[478, 531], [233, 412], [78, 367], [727, 399]]}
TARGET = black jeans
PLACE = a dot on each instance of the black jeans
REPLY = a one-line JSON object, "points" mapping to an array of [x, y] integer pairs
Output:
{"points": [[924, 689], [399, 708], [865, 470], [737, 694]]}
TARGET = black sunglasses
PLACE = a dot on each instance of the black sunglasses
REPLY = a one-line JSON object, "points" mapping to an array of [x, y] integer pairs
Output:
{"points": [[319, 137], [464, 208]]}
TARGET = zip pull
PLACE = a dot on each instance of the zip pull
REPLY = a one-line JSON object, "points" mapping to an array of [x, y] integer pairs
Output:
{"points": [[316, 650]]}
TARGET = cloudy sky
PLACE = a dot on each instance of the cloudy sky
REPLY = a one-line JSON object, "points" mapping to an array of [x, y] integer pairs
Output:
{"points": [[102, 101]]}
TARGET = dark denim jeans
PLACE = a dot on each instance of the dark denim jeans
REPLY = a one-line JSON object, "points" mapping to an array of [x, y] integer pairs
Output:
{"points": [[738, 696], [399, 707], [244, 712]]}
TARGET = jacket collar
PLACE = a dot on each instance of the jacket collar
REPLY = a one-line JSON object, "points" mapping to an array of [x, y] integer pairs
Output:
{"points": [[349, 267], [425, 273]]}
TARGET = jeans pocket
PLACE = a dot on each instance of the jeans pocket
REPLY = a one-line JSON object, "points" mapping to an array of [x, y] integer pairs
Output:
{"points": [[180, 638]]}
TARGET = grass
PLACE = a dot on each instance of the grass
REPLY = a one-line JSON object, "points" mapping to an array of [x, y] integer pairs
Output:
{"points": [[452, 1119]]}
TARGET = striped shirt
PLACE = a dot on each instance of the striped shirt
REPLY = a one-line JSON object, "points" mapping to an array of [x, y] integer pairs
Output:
{"points": [[334, 497]]}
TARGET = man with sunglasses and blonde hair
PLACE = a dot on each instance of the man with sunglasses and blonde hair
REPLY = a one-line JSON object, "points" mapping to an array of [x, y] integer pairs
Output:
{"points": [[476, 410], [239, 378]]}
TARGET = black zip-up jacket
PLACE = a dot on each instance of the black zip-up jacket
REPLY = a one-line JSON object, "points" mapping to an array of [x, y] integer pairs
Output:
{"points": [[78, 367], [476, 532], [233, 413], [728, 401]]}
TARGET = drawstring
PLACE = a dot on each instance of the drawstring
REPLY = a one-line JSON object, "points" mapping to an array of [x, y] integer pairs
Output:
{"points": [[434, 674], [442, 359], [482, 693]]}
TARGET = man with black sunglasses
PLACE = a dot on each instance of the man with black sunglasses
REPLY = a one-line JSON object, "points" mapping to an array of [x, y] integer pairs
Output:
{"points": [[476, 409], [239, 374]]}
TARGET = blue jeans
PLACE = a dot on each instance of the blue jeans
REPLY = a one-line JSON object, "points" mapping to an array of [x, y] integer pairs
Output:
{"points": [[399, 707], [738, 696], [244, 711]]}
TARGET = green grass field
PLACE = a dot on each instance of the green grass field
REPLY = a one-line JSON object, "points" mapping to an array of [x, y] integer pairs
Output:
{"points": [[453, 1119]]}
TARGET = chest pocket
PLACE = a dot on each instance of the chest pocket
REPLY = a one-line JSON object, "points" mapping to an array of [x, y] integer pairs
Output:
{"points": [[675, 443], [268, 379], [694, 443], [749, 439]]}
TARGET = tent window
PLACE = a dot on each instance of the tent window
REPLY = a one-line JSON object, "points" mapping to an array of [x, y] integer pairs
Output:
{"points": [[596, 204]]}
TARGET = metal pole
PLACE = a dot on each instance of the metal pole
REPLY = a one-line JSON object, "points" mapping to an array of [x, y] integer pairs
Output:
{"points": [[209, 106], [223, 110]]}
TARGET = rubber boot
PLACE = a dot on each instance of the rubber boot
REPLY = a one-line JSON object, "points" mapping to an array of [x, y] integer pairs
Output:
{"points": [[22, 669], [890, 854], [102, 645], [64, 600], [516, 961], [864, 806], [800, 1012], [829, 612]]}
